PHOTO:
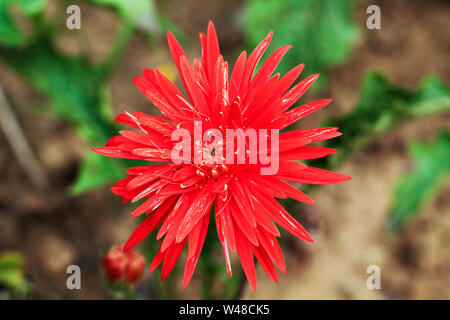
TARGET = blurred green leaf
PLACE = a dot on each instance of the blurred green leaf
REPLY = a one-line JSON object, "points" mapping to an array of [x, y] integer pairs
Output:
{"points": [[11, 271], [96, 171], [32, 7], [321, 31], [76, 91], [70, 83], [431, 167], [10, 33], [165, 23], [381, 107], [134, 10]]}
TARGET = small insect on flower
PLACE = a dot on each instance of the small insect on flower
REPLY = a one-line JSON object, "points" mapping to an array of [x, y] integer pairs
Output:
{"points": [[249, 109], [126, 266]]}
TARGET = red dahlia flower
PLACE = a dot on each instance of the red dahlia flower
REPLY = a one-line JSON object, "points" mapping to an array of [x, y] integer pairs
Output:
{"points": [[180, 194]]}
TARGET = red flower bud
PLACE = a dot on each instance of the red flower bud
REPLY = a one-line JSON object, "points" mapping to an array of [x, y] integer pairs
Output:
{"points": [[127, 266]]}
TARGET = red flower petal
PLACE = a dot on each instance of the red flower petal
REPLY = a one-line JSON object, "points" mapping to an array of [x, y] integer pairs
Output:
{"points": [[246, 257], [292, 116], [192, 259], [173, 253], [200, 207], [150, 223], [280, 216], [265, 262], [314, 176]]}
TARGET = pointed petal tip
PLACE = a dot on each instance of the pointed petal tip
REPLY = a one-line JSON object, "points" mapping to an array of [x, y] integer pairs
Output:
{"points": [[347, 178], [138, 82], [342, 177], [305, 236], [284, 49], [135, 213], [185, 284], [159, 236], [308, 238], [268, 37], [300, 66]]}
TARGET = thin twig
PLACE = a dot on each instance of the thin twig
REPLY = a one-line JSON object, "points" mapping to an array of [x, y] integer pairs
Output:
{"points": [[20, 146]]}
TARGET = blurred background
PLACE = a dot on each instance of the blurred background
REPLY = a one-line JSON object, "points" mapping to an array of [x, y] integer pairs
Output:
{"points": [[60, 90]]}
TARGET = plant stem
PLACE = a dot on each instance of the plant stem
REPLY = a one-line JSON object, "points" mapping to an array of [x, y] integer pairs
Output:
{"points": [[20, 145], [120, 43]]}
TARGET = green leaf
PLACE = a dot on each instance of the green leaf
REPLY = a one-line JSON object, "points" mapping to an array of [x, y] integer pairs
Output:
{"points": [[96, 171], [381, 107], [32, 7], [11, 271], [431, 167], [71, 84], [10, 33], [321, 31], [135, 10], [77, 94]]}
